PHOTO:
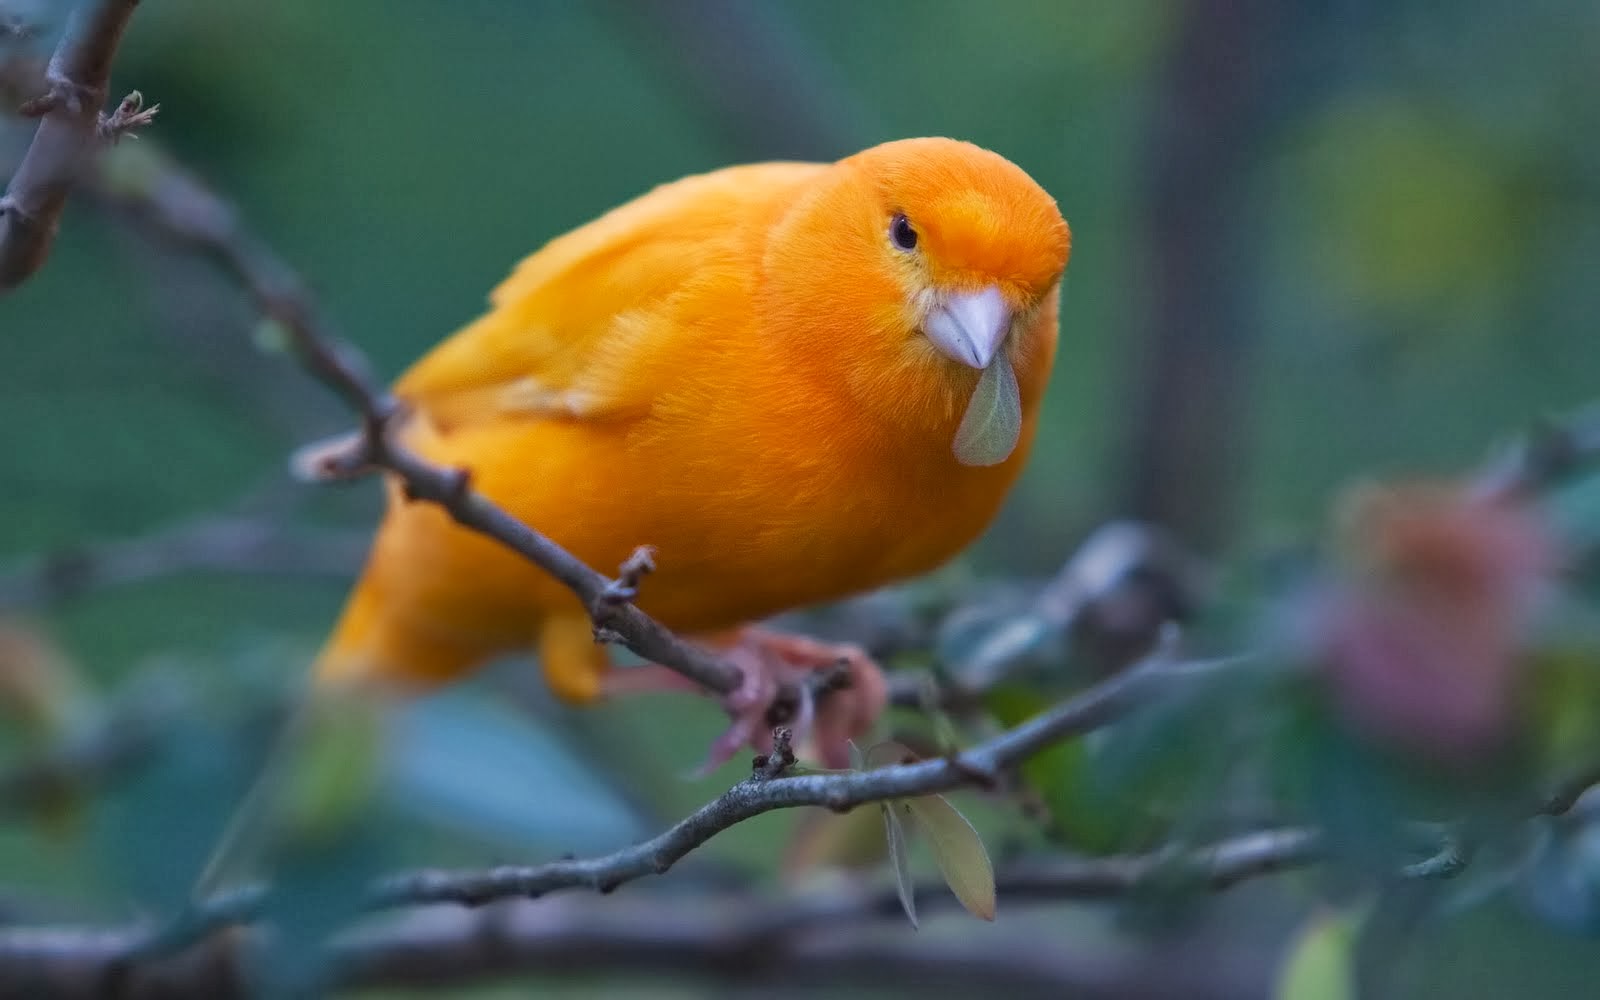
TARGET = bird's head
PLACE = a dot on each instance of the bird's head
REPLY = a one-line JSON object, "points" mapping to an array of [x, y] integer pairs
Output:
{"points": [[931, 269]]}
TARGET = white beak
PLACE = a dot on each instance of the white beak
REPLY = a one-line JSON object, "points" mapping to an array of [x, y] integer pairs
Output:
{"points": [[970, 328]]}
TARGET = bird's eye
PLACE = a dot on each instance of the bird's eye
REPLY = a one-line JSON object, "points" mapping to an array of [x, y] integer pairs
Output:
{"points": [[901, 233]]}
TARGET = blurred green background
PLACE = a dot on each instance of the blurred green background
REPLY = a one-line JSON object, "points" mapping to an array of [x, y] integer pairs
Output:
{"points": [[1313, 242]]}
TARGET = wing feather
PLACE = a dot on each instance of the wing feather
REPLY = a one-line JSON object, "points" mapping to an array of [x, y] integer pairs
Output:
{"points": [[572, 331]]}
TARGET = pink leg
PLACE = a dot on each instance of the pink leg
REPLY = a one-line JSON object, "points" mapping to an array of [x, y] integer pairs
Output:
{"points": [[768, 660]]}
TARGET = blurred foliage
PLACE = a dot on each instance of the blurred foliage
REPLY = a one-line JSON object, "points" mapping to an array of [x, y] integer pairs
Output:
{"points": [[1321, 963], [1414, 238]]}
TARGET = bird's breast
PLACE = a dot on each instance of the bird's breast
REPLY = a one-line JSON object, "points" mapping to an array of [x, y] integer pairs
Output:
{"points": [[797, 509]]}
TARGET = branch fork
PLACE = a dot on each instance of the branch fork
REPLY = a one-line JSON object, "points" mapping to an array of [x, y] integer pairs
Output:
{"points": [[71, 130]]}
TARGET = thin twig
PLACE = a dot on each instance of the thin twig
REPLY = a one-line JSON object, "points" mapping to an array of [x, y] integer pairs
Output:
{"points": [[224, 544], [767, 789], [177, 205], [1084, 713], [70, 130]]}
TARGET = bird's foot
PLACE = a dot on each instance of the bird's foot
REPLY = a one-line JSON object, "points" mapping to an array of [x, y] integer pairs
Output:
{"points": [[826, 693], [833, 693]]}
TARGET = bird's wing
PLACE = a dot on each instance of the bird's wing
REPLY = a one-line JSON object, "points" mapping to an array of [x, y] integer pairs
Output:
{"points": [[578, 330]]}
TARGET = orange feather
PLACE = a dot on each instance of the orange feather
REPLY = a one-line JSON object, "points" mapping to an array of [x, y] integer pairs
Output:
{"points": [[746, 369]]}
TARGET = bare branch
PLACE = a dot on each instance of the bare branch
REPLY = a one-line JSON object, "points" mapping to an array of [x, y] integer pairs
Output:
{"points": [[69, 133], [717, 937], [1084, 713], [767, 789], [226, 544], [180, 207], [731, 938], [171, 202]]}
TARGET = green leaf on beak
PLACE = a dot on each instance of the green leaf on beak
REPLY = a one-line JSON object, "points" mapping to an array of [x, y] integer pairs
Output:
{"points": [[993, 421]]}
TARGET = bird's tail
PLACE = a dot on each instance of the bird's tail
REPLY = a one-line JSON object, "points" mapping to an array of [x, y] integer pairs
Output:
{"points": [[371, 654], [383, 641]]}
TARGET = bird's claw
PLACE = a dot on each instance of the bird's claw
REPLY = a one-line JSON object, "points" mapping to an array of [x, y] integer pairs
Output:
{"points": [[772, 664], [771, 661]]}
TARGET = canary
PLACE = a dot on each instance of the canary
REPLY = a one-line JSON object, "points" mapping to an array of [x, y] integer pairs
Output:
{"points": [[795, 381]]}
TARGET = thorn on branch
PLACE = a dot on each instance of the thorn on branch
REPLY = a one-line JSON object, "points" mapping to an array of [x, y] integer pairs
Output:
{"points": [[770, 765], [129, 116], [346, 456], [40, 106], [625, 588]]}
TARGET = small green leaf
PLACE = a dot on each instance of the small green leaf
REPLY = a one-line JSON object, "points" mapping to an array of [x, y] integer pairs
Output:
{"points": [[857, 761], [902, 864], [1321, 962], [959, 852], [993, 421]]}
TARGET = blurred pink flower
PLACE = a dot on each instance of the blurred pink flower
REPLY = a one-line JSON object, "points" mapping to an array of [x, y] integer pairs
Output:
{"points": [[1421, 640]]}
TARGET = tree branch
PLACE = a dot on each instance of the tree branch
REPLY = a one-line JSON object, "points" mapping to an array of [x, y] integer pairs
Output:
{"points": [[173, 203], [766, 790], [740, 939], [178, 206], [1084, 713], [227, 544], [717, 937], [446, 945], [70, 130]]}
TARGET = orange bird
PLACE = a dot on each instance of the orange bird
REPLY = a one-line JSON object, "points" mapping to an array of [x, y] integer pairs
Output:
{"points": [[796, 381]]}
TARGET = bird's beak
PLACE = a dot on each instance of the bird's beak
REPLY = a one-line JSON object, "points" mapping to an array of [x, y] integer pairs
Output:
{"points": [[970, 327]]}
